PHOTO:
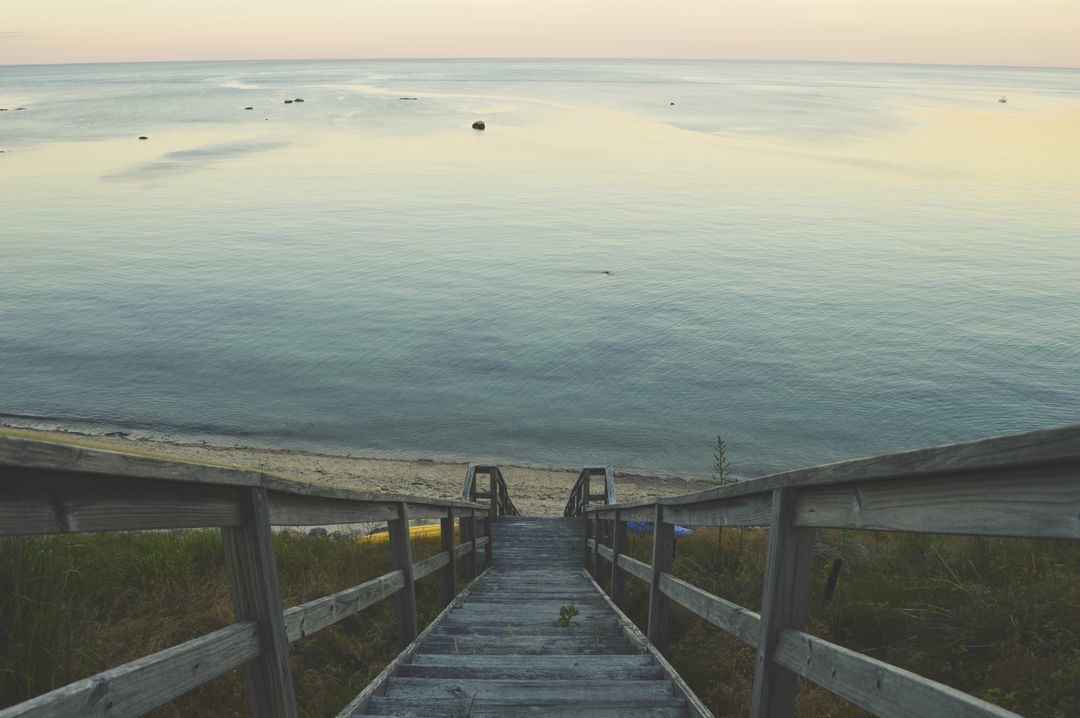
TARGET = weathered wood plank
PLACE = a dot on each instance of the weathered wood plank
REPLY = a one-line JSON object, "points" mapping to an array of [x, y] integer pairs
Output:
{"points": [[1043, 503], [663, 555], [307, 618], [401, 560], [446, 537], [496, 707], [638, 569], [377, 687], [565, 690], [142, 685], [1006, 456], [253, 583], [430, 565], [753, 510], [875, 686], [784, 605], [41, 502], [740, 622], [696, 708], [618, 548], [298, 510]]}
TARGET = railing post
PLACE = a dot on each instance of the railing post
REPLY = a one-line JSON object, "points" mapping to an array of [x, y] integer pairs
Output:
{"points": [[493, 511], [446, 532], [783, 605], [662, 556], [598, 525], [256, 596], [618, 547], [401, 559], [588, 529], [468, 535]]}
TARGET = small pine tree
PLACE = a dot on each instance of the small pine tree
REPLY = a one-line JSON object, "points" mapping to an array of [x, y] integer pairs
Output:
{"points": [[721, 471]]}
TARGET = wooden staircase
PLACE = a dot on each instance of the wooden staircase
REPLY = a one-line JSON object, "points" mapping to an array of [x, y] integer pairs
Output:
{"points": [[497, 652]]}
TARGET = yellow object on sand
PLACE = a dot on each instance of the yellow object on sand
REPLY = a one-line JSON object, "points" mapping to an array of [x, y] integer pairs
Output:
{"points": [[424, 531]]}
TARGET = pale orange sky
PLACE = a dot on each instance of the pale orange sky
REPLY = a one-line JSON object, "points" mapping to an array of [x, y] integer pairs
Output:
{"points": [[984, 32]]}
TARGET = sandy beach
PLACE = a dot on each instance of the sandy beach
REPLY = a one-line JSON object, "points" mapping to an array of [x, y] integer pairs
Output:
{"points": [[535, 491]]}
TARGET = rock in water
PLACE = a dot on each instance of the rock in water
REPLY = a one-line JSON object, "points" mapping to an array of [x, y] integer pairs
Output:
{"points": [[143, 137], [249, 108], [478, 125], [288, 102], [299, 99]]}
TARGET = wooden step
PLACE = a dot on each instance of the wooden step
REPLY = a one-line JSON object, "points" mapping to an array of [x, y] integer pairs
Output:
{"points": [[519, 690], [527, 645], [492, 707]]}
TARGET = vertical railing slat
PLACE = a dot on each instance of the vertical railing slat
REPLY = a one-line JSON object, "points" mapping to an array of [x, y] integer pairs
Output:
{"points": [[256, 596], [663, 554], [618, 546], [784, 604], [446, 532], [401, 559]]}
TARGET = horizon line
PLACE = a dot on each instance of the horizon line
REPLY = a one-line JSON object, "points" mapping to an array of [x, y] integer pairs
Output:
{"points": [[547, 58]]}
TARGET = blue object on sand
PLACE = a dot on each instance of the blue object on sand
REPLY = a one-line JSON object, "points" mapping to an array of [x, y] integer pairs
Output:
{"points": [[646, 527]]}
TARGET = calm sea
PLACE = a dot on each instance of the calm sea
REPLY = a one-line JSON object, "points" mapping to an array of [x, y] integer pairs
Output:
{"points": [[817, 261]]}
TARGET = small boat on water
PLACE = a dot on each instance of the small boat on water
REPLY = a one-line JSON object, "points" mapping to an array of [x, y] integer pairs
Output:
{"points": [[1003, 99]]}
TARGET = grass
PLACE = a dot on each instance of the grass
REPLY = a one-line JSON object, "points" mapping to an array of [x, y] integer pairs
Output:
{"points": [[997, 618], [73, 606]]}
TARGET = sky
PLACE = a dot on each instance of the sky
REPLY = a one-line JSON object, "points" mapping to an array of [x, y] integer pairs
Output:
{"points": [[980, 32]]}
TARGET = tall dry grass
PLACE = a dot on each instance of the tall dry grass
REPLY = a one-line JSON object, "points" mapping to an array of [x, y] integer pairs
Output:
{"points": [[997, 618], [72, 606]]}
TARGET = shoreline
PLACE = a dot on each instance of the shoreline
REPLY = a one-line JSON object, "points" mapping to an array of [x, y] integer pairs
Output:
{"points": [[536, 490]]}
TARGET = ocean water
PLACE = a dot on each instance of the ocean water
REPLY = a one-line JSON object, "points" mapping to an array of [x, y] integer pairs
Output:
{"points": [[817, 261]]}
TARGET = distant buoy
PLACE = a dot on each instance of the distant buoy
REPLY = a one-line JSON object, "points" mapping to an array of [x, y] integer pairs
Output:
{"points": [[672, 104]]}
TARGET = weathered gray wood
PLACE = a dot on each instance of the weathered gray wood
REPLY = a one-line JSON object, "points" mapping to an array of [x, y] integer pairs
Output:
{"points": [[298, 510], [401, 560], [783, 605], [753, 510], [694, 704], [493, 513], [42, 502], [430, 565], [587, 522], [1006, 456], [1043, 503], [565, 690], [253, 583], [484, 706], [81, 463], [663, 555], [446, 536], [598, 533], [637, 569], [875, 686], [307, 618], [377, 687], [468, 539], [142, 685], [618, 548], [740, 622]]}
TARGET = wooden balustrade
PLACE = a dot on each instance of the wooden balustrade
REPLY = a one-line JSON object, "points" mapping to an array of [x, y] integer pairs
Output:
{"points": [[1025, 485], [48, 487]]}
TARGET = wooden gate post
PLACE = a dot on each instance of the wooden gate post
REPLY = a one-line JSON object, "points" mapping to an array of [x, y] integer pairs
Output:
{"points": [[256, 596], [401, 559], [784, 604], [446, 532], [662, 556], [618, 547]]}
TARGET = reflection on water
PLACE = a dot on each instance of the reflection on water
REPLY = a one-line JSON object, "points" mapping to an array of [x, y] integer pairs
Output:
{"points": [[818, 261]]}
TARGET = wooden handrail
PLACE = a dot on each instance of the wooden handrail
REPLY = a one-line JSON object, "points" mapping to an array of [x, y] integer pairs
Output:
{"points": [[581, 494], [51, 487], [1022, 485]]}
